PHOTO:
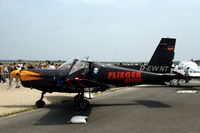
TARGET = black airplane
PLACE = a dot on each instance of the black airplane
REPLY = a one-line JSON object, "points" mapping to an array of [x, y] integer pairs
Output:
{"points": [[80, 76]]}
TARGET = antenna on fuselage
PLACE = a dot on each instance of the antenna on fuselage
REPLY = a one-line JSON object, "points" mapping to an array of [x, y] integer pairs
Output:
{"points": [[86, 58]]}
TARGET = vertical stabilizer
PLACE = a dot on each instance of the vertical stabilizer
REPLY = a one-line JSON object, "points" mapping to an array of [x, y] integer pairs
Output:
{"points": [[162, 59]]}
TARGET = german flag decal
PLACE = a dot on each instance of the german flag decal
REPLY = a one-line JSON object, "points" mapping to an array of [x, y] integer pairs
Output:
{"points": [[170, 48]]}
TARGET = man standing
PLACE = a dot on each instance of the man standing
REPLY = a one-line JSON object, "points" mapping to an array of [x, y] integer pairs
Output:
{"points": [[2, 78], [10, 69], [17, 67]]}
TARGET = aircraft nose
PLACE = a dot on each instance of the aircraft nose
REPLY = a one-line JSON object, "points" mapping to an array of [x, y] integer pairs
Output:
{"points": [[15, 74]]}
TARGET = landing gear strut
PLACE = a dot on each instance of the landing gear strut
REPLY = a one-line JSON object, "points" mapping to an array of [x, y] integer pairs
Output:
{"points": [[81, 102], [40, 103], [175, 82]]}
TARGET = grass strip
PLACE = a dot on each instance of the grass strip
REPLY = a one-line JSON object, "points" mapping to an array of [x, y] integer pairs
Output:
{"points": [[17, 112]]}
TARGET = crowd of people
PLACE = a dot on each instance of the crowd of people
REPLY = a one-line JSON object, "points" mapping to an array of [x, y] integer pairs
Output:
{"points": [[6, 70]]}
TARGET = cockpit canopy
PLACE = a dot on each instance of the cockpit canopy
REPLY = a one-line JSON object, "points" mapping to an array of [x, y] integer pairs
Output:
{"points": [[74, 65], [66, 65]]}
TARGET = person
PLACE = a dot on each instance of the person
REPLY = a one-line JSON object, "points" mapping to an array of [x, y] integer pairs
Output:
{"points": [[40, 66], [17, 80], [47, 64], [2, 78], [52, 66], [30, 66], [24, 66], [10, 69], [57, 66]]}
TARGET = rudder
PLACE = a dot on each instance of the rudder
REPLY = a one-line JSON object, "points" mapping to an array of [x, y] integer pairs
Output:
{"points": [[162, 59]]}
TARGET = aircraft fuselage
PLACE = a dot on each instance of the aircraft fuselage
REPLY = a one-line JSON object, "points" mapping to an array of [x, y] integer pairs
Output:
{"points": [[97, 76]]}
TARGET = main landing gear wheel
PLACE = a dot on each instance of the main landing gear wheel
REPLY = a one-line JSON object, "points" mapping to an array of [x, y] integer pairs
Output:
{"points": [[82, 103], [78, 98], [40, 103]]}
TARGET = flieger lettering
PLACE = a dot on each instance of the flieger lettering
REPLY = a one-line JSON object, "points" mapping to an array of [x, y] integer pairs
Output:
{"points": [[128, 77]]}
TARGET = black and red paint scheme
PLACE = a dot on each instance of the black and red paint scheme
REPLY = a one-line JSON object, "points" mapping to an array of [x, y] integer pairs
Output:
{"points": [[80, 76]]}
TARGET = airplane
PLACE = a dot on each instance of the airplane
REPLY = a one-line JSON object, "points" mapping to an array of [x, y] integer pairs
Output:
{"points": [[80, 76], [189, 69]]}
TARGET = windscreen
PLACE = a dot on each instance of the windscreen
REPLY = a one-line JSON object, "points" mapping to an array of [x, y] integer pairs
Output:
{"points": [[78, 66], [66, 65]]}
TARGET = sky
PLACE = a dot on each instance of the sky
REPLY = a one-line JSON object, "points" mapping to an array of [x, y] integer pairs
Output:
{"points": [[104, 30]]}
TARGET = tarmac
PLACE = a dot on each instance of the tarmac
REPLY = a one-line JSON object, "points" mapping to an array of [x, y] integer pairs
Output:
{"points": [[137, 109], [19, 99]]}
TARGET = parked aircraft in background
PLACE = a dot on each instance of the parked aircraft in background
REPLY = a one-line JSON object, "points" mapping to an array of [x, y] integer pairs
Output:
{"points": [[188, 69]]}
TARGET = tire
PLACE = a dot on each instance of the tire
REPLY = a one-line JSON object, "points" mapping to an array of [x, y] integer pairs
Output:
{"points": [[40, 104], [83, 105], [78, 98]]}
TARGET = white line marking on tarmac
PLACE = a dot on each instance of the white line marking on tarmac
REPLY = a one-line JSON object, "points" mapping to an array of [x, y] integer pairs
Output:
{"points": [[187, 91]]}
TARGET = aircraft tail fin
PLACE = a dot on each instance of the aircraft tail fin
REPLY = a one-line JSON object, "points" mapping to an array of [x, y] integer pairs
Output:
{"points": [[162, 59]]}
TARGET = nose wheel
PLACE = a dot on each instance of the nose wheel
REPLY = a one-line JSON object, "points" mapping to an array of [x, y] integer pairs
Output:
{"points": [[40, 103]]}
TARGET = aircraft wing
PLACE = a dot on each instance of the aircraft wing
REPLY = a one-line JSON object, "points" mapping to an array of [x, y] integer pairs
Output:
{"points": [[85, 83]]}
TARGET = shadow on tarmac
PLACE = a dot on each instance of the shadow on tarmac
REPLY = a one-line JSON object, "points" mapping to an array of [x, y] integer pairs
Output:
{"points": [[110, 104], [152, 104], [147, 103], [61, 114], [57, 99]]}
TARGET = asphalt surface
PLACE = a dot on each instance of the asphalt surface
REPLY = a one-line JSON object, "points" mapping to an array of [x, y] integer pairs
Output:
{"points": [[140, 109]]}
